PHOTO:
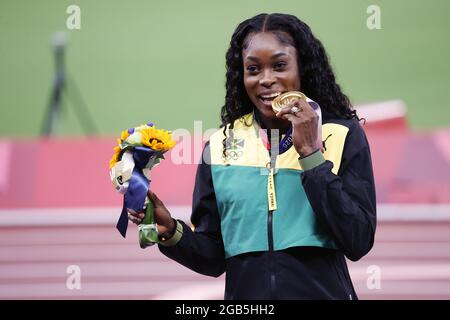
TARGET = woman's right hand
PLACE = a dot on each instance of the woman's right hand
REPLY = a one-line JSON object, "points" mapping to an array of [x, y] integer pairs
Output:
{"points": [[163, 219]]}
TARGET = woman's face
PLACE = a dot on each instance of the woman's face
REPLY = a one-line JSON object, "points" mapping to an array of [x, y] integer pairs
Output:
{"points": [[270, 68]]}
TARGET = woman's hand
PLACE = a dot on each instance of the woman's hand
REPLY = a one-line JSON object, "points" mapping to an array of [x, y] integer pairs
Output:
{"points": [[162, 216], [304, 126]]}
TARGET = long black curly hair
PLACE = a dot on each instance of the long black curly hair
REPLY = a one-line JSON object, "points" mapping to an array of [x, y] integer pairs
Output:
{"points": [[317, 78]]}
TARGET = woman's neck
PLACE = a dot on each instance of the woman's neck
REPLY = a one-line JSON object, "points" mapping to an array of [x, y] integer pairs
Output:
{"points": [[271, 124]]}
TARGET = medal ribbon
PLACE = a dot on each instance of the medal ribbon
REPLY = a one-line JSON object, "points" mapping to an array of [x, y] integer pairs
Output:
{"points": [[284, 144], [271, 194]]}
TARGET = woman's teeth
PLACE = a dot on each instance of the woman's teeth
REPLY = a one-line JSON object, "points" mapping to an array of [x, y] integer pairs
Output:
{"points": [[270, 96]]}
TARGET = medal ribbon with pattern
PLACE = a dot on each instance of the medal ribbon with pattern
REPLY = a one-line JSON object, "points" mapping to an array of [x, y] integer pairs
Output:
{"points": [[285, 144]]}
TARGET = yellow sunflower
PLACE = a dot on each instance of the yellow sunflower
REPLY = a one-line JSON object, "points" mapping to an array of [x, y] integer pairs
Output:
{"points": [[157, 139], [115, 157], [124, 135]]}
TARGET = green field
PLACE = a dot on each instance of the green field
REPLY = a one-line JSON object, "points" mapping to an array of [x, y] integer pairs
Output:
{"points": [[164, 60]]}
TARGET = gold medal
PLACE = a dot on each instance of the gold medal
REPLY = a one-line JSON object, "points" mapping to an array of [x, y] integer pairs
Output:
{"points": [[285, 98]]}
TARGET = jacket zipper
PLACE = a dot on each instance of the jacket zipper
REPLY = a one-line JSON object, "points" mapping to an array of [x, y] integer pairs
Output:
{"points": [[272, 277], [269, 230], [270, 256]]}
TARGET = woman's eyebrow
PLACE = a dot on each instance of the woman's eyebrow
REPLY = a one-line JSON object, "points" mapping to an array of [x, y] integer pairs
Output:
{"points": [[252, 58], [276, 55]]}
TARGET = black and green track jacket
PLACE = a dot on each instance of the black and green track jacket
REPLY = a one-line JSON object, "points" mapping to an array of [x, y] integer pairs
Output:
{"points": [[325, 211]]}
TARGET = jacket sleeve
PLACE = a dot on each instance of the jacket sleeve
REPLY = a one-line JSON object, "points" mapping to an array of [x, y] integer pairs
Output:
{"points": [[201, 250], [346, 203]]}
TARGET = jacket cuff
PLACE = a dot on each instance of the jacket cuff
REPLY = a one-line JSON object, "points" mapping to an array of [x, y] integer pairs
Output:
{"points": [[175, 238], [312, 161]]}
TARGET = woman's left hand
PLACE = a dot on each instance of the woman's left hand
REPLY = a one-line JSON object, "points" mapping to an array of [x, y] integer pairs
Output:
{"points": [[304, 126]]}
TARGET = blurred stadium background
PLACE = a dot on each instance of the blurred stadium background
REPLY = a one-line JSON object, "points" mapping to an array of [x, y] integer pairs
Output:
{"points": [[163, 61]]}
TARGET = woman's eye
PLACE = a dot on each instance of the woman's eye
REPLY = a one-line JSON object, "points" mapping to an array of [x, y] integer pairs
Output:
{"points": [[280, 65], [252, 69]]}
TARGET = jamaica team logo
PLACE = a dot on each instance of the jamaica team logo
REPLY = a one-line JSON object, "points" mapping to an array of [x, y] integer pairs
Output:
{"points": [[234, 148]]}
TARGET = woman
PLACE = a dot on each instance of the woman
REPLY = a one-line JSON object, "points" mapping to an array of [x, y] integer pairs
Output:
{"points": [[278, 221]]}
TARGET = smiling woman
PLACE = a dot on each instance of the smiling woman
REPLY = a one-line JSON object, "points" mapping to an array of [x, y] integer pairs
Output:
{"points": [[270, 68], [279, 217]]}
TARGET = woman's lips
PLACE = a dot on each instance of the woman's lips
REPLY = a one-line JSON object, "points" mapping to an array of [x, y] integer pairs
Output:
{"points": [[267, 98], [266, 102]]}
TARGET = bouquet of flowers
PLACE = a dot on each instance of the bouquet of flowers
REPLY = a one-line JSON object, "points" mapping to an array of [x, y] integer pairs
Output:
{"points": [[138, 151]]}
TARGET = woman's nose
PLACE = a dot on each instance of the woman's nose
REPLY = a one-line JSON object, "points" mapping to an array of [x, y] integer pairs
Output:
{"points": [[267, 79]]}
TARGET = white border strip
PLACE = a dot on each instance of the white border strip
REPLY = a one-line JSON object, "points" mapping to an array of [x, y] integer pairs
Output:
{"points": [[73, 216], [380, 111], [414, 212], [109, 215]]}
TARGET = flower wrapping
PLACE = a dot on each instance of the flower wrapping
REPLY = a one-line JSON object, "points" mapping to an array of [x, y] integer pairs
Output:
{"points": [[139, 150]]}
